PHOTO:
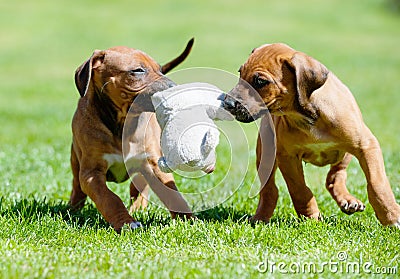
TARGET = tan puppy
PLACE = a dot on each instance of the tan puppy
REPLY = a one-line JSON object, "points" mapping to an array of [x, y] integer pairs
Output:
{"points": [[108, 82], [316, 120]]}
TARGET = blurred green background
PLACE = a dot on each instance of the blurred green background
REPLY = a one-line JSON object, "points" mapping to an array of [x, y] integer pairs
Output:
{"points": [[43, 42]]}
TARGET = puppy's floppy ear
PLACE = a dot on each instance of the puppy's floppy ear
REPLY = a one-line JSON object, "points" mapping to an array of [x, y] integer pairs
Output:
{"points": [[84, 72], [310, 74]]}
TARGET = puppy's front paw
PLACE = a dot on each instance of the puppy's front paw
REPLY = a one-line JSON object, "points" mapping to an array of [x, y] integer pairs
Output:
{"points": [[396, 224], [129, 227], [183, 216], [258, 219], [350, 205], [135, 225]]}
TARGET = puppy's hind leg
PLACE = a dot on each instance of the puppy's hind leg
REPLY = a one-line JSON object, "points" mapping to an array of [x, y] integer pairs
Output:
{"points": [[336, 185], [78, 197], [139, 193], [380, 194]]}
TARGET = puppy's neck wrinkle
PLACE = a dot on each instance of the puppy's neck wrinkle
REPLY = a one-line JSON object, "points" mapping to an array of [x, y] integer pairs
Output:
{"points": [[308, 112], [108, 112], [304, 115], [295, 121]]}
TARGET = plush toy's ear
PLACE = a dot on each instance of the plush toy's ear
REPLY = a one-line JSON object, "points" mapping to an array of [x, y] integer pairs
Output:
{"points": [[209, 142], [83, 74], [310, 74], [162, 164], [157, 100]]}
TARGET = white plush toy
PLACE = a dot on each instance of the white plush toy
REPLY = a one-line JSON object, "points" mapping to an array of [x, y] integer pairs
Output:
{"points": [[189, 136]]}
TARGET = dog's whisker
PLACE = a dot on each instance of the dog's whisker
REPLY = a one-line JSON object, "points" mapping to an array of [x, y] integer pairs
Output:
{"points": [[104, 85], [271, 102]]}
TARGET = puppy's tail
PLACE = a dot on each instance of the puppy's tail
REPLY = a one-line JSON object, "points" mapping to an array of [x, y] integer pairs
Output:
{"points": [[172, 64]]}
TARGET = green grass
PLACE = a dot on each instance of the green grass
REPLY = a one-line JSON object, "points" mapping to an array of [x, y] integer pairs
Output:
{"points": [[42, 43]]}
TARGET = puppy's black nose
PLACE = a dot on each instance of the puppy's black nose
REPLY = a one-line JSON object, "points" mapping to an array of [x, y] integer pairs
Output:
{"points": [[229, 103]]}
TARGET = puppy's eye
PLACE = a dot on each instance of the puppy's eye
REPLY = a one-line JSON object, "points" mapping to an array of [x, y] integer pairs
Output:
{"points": [[259, 82], [136, 71]]}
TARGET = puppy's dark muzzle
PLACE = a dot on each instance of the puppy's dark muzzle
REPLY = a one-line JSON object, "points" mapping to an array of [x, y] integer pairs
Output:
{"points": [[237, 109], [229, 104]]}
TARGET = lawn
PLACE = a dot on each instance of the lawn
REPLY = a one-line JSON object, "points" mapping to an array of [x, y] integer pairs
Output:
{"points": [[43, 42]]}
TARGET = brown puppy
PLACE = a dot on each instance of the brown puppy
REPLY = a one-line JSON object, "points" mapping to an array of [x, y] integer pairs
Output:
{"points": [[316, 120], [109, 82]]}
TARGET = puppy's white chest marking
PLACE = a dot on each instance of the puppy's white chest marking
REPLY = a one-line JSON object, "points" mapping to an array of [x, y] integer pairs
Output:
{"points": [[120, 168], [321, 154], [320, 147], [116, 166]]}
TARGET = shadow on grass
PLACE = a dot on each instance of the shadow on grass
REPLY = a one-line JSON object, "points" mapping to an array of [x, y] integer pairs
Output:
{"points": [[32, 209], [222, 212]]}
